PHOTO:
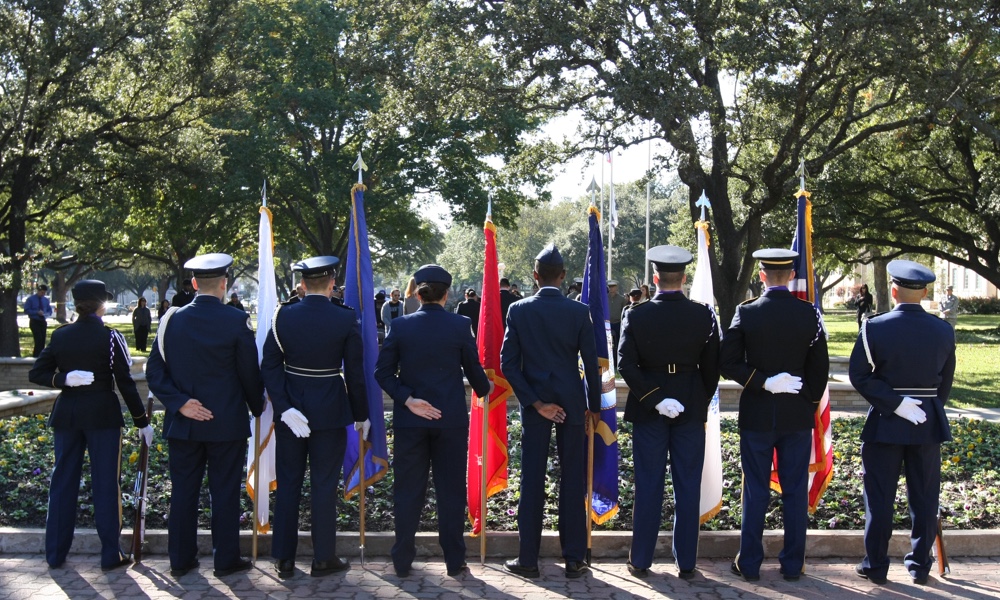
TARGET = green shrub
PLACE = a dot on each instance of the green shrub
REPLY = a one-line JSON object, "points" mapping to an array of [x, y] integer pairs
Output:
{"points": [[979, 306]]}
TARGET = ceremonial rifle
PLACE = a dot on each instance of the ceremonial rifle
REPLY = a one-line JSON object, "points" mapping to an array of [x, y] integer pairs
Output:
{"points": [[943, 567], [139, 491]]}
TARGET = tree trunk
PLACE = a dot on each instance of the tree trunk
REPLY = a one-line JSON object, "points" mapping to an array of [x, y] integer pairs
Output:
{"points": [[881, 283], [10, 342], [59, 296], [162, 290]]}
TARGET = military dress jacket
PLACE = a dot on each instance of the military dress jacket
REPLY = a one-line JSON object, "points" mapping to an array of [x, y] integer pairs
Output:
{"points": [[425, 356], [776, 333], [211, 356], [313, 349], [914, 355], [545, 334], [669, 349], [89, 345]]}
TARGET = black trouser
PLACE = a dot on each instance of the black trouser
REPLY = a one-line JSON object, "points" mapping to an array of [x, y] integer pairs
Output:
{"points": [[141, 335], [38, 329]]}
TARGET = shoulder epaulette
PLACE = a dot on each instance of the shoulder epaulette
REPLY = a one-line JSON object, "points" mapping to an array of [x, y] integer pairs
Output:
{"points": [[748, 301], [344, 306]]}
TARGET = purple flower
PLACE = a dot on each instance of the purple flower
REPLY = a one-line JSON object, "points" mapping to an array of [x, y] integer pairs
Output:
{"points": [[36, 472], [510, 511]]}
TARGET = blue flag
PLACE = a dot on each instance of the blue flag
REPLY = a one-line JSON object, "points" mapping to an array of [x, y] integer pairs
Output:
{"points": [[604, 497], [359, 293]]}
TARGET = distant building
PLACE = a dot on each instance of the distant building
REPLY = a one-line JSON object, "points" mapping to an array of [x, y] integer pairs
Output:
{"points": [[965, 282]]}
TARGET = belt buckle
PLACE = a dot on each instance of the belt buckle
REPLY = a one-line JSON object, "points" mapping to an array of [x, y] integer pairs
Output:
{"points": [[672, 368]]}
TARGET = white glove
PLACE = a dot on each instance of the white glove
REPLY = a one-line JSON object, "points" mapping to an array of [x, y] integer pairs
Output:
{"points": [[77, 378], [670, 408], [363, 427], [783, 383], [910, 410], [297, 422], [147, 435]]}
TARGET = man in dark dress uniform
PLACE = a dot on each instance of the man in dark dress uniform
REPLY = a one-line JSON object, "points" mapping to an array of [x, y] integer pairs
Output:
{"points": [[420, 367], [776, 349], [204, 370], [301, 368], [546, 333], [506, 299], [669, 357], [903, 363], [86, 359], [470, 308], [185, 296]]}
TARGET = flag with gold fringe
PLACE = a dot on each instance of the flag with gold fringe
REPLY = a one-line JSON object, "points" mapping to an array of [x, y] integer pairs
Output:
{"points": [[703, 291], [604, 498], [359, 294], [804, 286], [489, 338], [267, 300]]}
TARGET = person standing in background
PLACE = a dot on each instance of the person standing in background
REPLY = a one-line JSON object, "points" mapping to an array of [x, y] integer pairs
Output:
{"points": [[142, 320], [38, 309], [470, 308], [949, 307], [393, 309], [411, 302]]}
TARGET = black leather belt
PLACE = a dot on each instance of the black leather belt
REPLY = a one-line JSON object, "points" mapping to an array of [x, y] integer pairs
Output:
{"points": [[303, 372], [914, 392], [672, 368]]}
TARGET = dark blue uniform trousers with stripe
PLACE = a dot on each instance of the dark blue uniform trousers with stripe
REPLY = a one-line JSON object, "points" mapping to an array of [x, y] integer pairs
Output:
{"points": [[188, 462], [325, 451], [756, 455], [104, 447], [882, 464], [652, 442]]}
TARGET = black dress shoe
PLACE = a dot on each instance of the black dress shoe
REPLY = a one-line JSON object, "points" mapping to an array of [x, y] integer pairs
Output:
{"points": [[877, 579], [321, 568], [790, 576], [243, 564], [920, 579], [285, 567], [735, 570], [458, 570], [576, 569], [121, 563], [635, 571], [686, 573], [514, 566], [182, 571]]}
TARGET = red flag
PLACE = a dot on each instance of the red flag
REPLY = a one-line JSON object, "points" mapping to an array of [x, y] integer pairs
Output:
{"points": [[489, 339]]}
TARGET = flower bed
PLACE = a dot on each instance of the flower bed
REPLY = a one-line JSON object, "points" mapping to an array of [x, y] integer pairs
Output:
{"points": [[969, 498]]}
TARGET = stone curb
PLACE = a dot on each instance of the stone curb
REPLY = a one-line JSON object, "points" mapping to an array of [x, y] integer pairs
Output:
{"points": [[606, 544]]}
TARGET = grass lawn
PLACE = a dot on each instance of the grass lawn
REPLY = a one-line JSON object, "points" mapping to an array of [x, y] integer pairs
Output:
{"points": [[977, 374]]}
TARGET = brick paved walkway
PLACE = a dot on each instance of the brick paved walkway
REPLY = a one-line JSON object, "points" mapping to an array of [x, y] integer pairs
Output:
{"points": [[27, 577]]}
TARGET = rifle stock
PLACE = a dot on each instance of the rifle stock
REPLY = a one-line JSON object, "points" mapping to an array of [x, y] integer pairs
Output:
{"points": [[139, 492], [943, 567]]}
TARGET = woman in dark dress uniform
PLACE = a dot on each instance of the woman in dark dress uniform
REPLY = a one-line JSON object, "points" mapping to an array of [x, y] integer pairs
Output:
{"points": [[86, 359]]}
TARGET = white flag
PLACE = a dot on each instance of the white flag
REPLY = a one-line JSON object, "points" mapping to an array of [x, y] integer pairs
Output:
{"points": [[267, 300], [711, 476]]}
